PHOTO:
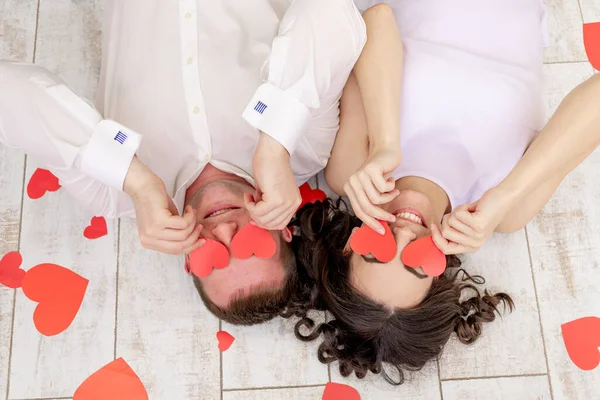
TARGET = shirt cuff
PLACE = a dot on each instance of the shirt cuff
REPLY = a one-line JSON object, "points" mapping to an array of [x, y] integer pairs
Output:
{"points": [[279, 115], [109, 152]]}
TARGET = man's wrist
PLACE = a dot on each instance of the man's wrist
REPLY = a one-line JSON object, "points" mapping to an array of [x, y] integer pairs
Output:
{"points": [[267, 146], [138, 176]]}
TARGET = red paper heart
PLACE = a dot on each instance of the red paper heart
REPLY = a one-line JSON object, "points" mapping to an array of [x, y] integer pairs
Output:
{"points": [[10, 273], [591, 40], [211, 254], [114, 381], [96, 229], [425, 254], [582, 340], [365, 240], [59, 292], [42, 181], [337, 391], [253, 240], [310, 195], [225, 340]]}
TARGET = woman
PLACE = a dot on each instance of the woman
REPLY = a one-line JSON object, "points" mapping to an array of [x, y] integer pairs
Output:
{"points": [[457, 156]]}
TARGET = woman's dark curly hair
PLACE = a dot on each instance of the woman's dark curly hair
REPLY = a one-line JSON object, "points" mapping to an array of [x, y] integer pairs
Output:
{"points": [[365, 335]]}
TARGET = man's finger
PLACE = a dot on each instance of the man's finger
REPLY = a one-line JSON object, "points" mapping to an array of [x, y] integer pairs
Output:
{"points": [[179, 222], [195, 246], [178, 235]]}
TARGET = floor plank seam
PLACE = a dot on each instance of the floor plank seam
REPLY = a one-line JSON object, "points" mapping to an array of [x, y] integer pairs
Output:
{"points": [[472, 378], [274, 388], [539, 312]]}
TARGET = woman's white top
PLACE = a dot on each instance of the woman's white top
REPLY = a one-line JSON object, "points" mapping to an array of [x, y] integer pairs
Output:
{"points": [[471, 89]]}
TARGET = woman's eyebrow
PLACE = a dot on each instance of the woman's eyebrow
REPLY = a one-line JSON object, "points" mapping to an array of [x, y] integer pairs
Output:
{"points": [[413, 271]]}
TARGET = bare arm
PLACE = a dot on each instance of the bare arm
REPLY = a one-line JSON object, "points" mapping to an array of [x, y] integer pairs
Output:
{"points": [[570, 136], [369, 108], [379, 76]]}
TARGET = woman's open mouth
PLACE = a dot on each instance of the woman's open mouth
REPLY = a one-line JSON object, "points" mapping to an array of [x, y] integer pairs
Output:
{"points": [[411, 216]]}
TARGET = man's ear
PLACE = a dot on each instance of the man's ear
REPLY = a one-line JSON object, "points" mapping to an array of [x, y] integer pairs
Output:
{"points": [[286, 234]]}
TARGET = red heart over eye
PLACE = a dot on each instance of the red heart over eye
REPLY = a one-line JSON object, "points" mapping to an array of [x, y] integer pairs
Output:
{"points": [[253, 240], [42, 181], [582, 340], [310, 195], [225, 340], [10, 273], [591, 40], [59, 292], [96, 229], [425, 254], [211, 254], [337, 391], [365, 240], [114, 381]]}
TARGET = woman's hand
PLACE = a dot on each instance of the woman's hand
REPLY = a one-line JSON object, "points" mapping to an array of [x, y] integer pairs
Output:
{"points": [[372, 185], [160, 226], [469, 226]]}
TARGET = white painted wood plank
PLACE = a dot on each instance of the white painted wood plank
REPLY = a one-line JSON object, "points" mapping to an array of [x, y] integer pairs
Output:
{"points": [[17, 36], [69, 42], [519, 388], [269, 355], [421, 385], [164, 331], [504, 263], [565, 251], [52, 231], [11, 186], [565, 30], [17, 29], [311, 393], [590, 10]]}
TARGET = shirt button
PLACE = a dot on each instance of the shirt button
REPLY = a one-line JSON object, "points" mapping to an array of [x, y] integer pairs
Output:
{"points": [[196, 110], [206, 158], [190, 60], [188, 15]]}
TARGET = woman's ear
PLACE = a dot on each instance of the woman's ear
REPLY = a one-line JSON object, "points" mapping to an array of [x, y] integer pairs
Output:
{"points": [[347, 248], [286, 234]]}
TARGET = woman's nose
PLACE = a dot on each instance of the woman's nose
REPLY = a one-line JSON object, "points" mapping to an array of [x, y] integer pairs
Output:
{"points": [[225, 231], [403, 236]]}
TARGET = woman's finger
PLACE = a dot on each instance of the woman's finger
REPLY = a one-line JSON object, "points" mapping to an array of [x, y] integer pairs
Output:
{"points": [[382, 184], [368, 207], [358, 211], [460, 226], [375, 197], [447, 247]]}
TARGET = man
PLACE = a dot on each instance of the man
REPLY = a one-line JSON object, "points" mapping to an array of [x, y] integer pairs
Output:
{"points": [[168, 136]]}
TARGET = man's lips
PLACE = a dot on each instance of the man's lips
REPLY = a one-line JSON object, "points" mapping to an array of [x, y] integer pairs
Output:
{"points": [[220, 207]]}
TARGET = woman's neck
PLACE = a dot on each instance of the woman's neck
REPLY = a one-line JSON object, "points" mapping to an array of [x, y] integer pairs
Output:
{"points": [[437, 196]]}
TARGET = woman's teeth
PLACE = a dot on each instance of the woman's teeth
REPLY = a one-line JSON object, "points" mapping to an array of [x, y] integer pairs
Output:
{"points": [[223, 211], [410, 217]]}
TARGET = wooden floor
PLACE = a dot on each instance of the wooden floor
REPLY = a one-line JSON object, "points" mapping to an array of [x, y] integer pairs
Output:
{"points": [[141, 306]]}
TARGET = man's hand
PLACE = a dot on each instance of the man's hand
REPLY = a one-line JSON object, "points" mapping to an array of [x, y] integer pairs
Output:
{"points": [[275, 183], [371, 186], [160, 226], [469, 226]]}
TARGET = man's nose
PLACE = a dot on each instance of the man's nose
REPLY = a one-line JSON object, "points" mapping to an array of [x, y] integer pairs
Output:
{"points": [[225, 231]]}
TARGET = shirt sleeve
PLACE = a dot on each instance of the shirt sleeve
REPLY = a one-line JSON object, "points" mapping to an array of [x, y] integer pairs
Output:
{"points": [[40, 115], [317, 40]]}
